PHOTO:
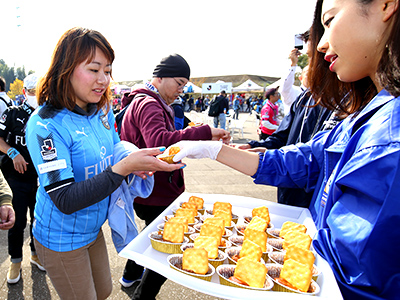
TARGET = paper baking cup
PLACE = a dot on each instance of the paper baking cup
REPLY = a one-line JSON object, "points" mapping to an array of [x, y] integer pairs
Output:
{"points": [[276, 244], [187, 245], [208, 212], [274, 271], [235, 218], [315, 272], [228, 244], [239, 228], [228, 233], [219, 260], [279, 258], [265, 255], [231, 226], [236, 240], [247, 219], [197, 227], [226, 271], [193, 236], [175, 262], [230, 252], [191, 231], [274, 233], [214, 262], [165, 247]]}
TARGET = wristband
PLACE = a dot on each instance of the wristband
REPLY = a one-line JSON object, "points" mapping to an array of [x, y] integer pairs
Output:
{"points": [[12, 153]]}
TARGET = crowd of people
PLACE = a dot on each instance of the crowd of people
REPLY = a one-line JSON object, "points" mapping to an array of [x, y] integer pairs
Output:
{"points": [[335, 151]]}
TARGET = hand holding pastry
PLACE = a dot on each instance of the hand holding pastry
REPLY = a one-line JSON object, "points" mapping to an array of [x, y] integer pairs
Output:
{"points": [[198, 149], [144, 160]]}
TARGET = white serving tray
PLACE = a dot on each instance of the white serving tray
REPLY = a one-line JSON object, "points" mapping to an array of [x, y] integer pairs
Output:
{"points": [[141, 251]]}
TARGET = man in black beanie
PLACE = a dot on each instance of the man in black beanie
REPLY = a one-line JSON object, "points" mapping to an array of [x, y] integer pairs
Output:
{"points": [[149, 122], [172, 66]]}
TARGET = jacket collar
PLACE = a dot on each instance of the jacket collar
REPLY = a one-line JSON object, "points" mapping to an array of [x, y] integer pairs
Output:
{"points": [[380, 99]]}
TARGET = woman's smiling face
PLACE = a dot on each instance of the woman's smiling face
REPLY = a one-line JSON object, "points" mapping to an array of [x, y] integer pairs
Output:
{"points": [[354, 38], [91, 79]]}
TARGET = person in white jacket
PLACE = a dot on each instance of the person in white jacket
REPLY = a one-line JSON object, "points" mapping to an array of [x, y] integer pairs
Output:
{"points": [[289, 91]]}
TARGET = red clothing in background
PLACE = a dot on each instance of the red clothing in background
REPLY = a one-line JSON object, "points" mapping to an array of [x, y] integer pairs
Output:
{"points": [[269, 121]]}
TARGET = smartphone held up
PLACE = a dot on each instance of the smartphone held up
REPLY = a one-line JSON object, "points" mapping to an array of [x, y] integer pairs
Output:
{"points": [[298, 41]]}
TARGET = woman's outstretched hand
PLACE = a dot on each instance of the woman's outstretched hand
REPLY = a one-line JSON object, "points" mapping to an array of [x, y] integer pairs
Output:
{"points": [[144, 162]]}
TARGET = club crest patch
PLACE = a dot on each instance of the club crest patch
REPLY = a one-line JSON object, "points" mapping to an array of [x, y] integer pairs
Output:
{"points": [[104, 120], [48, 151]]}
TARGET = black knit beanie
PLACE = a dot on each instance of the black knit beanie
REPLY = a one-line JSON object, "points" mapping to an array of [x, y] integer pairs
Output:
{"points": [[172, 66]]}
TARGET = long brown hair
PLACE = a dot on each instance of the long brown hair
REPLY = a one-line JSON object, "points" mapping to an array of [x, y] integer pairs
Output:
{"points": [[348, 98], [75, 46]]}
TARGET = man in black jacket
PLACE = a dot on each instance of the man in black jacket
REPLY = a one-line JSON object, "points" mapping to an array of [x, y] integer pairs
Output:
{"points": [[223, 109], [20, 175]]}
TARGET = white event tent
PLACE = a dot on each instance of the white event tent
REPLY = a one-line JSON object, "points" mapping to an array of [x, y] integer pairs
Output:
{"points": [[191, 88], [248, 86]]}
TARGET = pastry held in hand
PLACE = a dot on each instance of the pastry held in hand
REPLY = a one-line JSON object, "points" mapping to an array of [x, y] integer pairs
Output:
{"points": [[168, 155], [198, 149]]}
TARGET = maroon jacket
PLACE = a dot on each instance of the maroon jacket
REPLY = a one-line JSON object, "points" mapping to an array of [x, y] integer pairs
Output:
{"points": [[149, 122]]}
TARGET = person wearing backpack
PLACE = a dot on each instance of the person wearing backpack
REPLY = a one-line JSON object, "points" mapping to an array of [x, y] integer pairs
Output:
{"points": [[218, 108], [21, 176], [5, 101], [149, 122]]}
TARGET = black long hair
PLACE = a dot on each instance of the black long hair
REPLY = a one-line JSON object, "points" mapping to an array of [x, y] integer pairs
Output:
{"points": [[352, 97]]}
